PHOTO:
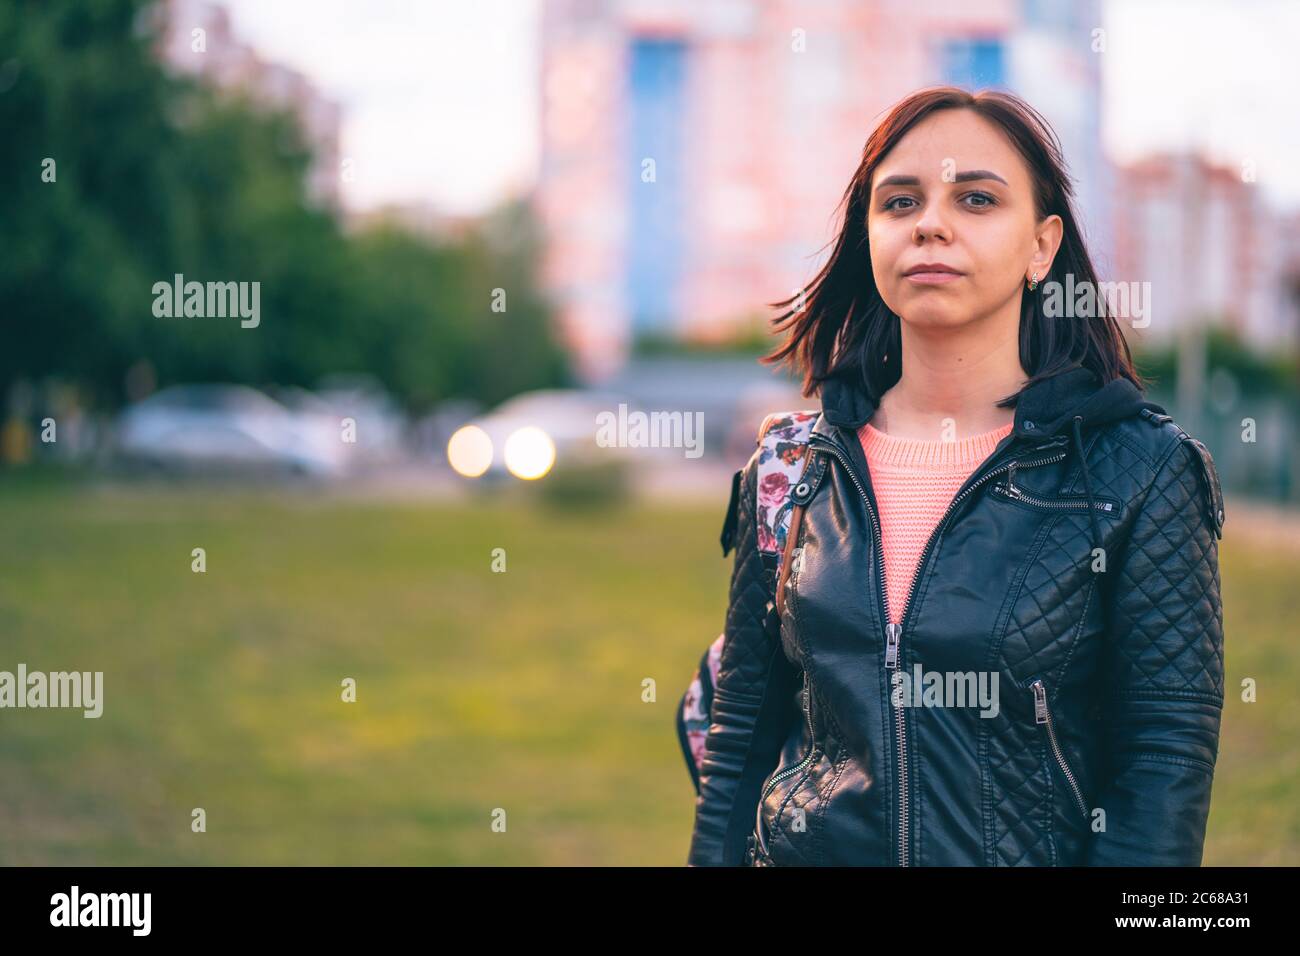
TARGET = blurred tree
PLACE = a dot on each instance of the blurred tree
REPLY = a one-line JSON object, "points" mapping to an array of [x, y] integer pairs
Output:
{"points": [[155, 175], [1257, 373], [469, 350]]}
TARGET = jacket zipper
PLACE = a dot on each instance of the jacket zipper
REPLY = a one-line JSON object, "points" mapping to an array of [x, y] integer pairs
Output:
{"points": [[894, 632], [1015, 492], [1044, 716]]}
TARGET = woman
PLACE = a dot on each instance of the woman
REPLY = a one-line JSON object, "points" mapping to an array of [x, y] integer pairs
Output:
{"points": [[1001, 622]]}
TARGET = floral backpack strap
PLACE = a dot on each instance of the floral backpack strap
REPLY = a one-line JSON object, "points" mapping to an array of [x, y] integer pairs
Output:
{"points": [[782, 461]]}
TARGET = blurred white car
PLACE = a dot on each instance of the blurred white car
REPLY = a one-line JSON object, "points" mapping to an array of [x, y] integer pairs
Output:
{"points": [[534, 431], [380, 424], [228, 426]]}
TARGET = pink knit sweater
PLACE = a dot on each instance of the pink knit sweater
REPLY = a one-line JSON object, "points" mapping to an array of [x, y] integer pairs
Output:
{"points": [[914, 482]]}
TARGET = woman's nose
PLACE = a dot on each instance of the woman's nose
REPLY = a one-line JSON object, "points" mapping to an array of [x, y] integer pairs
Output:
{"points": [[932, 225]]}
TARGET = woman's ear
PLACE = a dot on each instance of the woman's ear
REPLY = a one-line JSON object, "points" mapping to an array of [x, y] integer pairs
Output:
{"points": [[1047, 240]]}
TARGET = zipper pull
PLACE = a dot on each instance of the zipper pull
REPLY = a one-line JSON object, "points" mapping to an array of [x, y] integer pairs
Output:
{"points": [[1012, 490], [892, 633], [1040, 702]]}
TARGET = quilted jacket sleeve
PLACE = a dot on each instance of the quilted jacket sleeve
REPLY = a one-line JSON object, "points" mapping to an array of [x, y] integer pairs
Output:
{"points": [[1165, 672], [736, 746]]}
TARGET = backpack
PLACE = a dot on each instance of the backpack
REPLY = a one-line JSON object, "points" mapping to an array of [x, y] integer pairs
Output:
{"points": [[782, 459]]}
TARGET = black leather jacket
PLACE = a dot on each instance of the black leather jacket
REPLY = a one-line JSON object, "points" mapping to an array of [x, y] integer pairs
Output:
{"points": [[1102, 747]]}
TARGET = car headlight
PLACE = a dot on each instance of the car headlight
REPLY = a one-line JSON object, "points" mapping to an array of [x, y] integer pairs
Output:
{"points": [[469, 451], [529, 452]]}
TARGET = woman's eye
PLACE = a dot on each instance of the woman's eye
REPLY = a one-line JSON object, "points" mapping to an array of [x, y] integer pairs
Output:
{"points": [[983, 201]]}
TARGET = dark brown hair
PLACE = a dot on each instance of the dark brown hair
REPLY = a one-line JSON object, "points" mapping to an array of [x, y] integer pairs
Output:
{"points": [[845, 326]]}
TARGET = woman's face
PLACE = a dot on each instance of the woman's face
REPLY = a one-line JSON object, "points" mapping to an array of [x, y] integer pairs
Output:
{"points": [[964, 201]]}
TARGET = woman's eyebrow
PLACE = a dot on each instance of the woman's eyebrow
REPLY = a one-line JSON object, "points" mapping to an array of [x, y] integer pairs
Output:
{"points": [[964, 177]]}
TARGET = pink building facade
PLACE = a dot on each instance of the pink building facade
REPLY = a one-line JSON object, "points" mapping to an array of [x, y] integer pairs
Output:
{"points": [[1211, 248]]}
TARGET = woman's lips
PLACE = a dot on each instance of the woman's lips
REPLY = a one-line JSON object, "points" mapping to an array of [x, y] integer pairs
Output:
{"points": [[932, 278]]}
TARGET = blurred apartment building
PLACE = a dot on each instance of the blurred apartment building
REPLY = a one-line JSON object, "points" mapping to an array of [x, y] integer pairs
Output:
{"points": [[1212, 249], [694, 153], [230, 63]]}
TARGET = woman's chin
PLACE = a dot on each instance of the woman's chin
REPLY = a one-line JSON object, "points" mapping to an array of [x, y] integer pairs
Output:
{"points": [[927, 316]]}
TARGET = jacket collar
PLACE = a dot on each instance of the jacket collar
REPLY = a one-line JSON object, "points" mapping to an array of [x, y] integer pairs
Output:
{"points": [[1045, 409], [1055, 410]]}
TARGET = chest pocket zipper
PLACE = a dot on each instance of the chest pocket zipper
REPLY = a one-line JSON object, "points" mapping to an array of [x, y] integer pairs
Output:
{"points": [[1043, 716], [1009, 489]]}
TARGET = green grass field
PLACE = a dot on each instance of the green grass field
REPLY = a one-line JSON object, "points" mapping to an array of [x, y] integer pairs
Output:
{"points": [[476, 690]]}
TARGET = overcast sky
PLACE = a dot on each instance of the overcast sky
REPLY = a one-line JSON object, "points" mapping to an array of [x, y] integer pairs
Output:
{"points": [[440, 96]]}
